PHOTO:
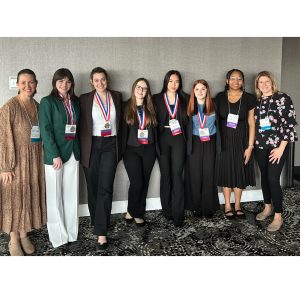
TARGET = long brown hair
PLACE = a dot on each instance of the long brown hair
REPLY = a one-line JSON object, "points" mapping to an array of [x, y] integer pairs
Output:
{"points": [[131, 111], [208, 106]]}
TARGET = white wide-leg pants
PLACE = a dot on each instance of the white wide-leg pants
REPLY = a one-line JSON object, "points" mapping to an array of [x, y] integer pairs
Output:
{"points": [[62, 196]]}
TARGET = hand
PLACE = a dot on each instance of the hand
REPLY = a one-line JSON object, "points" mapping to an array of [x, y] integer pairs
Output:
{"points": [[7, 177], [247, 154], [57, 163], [275, 155]]}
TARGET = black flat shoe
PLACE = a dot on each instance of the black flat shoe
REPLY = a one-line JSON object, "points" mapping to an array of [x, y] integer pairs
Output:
{"points": [[178, 224], [102, 246], [197, 214], [142, 224], [229, 214], [128, 220], [240, 214]]}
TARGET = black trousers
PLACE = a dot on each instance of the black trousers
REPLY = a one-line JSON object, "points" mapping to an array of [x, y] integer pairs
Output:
{"points": [[201, 192], [171, 163], [270, 177], [138, 162], [100, 179]]}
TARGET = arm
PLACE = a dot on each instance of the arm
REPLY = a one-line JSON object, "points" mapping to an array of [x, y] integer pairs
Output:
{"points": [[47, 133], [251, 123], [7, 147], [287, 130]]}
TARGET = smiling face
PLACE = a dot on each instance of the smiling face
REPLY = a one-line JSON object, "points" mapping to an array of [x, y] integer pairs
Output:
{"points": [[200, 91], [173, 83], [63, 86], [264, 84], [140, 90], [99, 82], [26, 85], [235, 81]]}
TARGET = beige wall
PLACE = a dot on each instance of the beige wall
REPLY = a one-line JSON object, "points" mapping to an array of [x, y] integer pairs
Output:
{"points": [[129, 58]]}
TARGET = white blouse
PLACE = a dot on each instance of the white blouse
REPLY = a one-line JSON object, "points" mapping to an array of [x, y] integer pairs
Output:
{"points": [[98, 118]]}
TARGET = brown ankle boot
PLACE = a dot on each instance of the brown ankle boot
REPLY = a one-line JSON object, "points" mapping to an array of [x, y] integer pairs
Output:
{"points": [[27, 245], [15, 249]]}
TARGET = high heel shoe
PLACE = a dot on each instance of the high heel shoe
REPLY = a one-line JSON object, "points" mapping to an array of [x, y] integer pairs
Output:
{"points": [[139, 222], [128, 218], [102, 246]]}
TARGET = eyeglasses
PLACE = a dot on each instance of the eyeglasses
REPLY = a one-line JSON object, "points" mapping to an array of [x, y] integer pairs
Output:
{"points": [[139, 88]]}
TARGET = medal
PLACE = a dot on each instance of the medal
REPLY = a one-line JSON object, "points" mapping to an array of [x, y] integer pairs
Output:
{"points": [[173, 123], [106, 127], [142, 133], [203, 132]]}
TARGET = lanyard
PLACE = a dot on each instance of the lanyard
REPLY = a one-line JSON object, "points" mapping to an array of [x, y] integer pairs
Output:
{"points": [[239, 105], [202, 122], [141, 119], [167, 103], [27, 115], [69, 110], [105, 112], [268, 107]]}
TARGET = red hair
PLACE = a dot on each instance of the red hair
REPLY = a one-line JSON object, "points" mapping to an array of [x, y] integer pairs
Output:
{"points": [[192, 106]]}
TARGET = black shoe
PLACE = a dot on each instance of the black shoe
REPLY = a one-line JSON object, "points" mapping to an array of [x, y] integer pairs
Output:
{"points": [[166, 215], [197, 214], [240, 214], [229, 214], [129, 220], [178, 224], [140, 224], [102, 246], [209, 215]]}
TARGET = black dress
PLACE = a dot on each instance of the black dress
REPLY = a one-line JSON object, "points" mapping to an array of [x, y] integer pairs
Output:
{"points": [[231, 171]]}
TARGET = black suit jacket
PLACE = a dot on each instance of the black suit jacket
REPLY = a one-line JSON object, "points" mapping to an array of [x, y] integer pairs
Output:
{"points": [[125, 131], [162, 112], [86, 124]]}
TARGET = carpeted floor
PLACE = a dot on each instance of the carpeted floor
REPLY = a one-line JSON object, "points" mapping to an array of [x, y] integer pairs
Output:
{"points": [[198, 237]]}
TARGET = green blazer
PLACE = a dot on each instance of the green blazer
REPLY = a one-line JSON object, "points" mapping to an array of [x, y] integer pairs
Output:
{"points": [[53, 119]]}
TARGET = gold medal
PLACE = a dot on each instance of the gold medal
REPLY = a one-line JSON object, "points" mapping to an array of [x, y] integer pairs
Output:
{"points": [[72, 129], [106, 126]]}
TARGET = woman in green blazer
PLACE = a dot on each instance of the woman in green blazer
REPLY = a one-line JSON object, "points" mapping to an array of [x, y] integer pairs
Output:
{"points": [[59, 116]]}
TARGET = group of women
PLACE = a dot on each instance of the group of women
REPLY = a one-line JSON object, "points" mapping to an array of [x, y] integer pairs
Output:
{"points": [[212, 140]]}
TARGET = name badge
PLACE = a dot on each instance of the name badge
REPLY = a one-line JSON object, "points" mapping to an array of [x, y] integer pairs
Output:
{"points": [[143, 136], [70, 132], [105, 129], [265, 124], [204, 134], [175, 127], [35, 134], [232, 120]]}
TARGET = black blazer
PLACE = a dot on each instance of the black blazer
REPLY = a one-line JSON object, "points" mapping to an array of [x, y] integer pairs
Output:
{"points": [[126, 127], [86, 124], [162, 112]]}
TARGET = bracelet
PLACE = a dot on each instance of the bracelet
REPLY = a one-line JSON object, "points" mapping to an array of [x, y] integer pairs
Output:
{"points": [[251, 146]]}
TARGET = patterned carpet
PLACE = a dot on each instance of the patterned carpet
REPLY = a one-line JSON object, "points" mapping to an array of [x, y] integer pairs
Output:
{"points": [[217, 236]]}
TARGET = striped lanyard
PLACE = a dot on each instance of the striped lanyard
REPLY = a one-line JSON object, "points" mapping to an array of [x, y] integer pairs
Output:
{"points": [[105, 112], [70, 112], [141, 119], [167, 103]]}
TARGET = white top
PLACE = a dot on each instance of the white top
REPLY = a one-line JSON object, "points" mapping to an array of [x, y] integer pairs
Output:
{"points": [[98, 118]]}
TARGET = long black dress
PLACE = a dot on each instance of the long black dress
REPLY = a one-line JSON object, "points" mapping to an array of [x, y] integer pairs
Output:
{"points": [[231, 171]]}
